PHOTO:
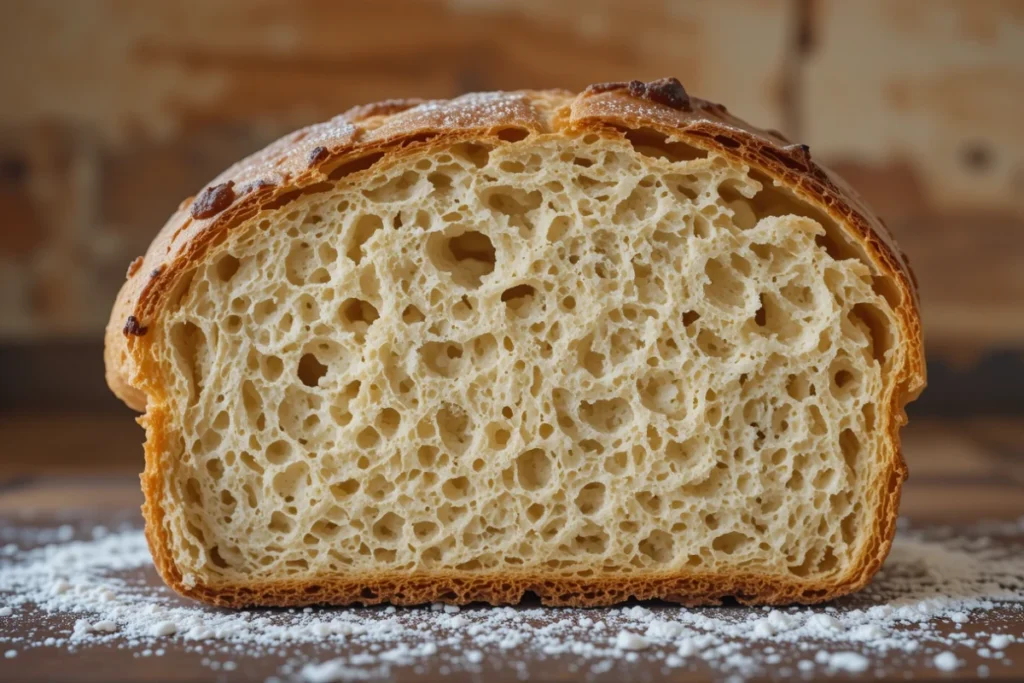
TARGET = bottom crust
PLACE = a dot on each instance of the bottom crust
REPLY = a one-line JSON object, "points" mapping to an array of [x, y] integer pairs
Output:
{"points": [[505, 590], [497, 589]]}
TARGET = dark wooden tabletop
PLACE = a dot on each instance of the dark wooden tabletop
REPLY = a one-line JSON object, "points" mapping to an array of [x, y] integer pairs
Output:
{"points": [[961, 472]]}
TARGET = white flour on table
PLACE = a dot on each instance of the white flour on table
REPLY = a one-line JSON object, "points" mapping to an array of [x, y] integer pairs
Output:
{"points": [[921, 610]]}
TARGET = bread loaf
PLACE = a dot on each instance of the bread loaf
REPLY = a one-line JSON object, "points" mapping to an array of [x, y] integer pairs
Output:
{"points": [[598, 346]]}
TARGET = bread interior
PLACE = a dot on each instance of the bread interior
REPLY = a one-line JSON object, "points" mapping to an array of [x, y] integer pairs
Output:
{"points": [[564, 356]]}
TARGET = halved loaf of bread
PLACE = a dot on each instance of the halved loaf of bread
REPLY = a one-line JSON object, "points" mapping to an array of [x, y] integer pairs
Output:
{"points": [[591, 347]]}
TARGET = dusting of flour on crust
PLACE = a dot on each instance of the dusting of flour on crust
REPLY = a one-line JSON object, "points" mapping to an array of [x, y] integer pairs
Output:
{"points": [[67, 589]]}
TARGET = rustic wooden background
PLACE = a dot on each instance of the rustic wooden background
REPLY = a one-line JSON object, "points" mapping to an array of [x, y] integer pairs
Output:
{"points": [[114, 110]]}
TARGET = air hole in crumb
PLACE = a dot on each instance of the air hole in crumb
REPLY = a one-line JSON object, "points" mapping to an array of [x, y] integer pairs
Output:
{"points": [[388, 421], [367, 438], [281, 523], [389, 527], [533, 469], [441, 182], [663, 392], [215, 468], [290, 482], [475, 153], [535, 512], [363, 229], [227, 266], [519, 299], [468, 256], [456, 488], [351, 166], [590, 499], [442, 358], [454, 427], [873, 324], [652, 143], [593, 540], [713, 345], [412, 315], [358, 315], [311, 370], [216, 558], [513, 134], [849, 444], [344, 489], [724, 288], [760, 318], [729, 543], [842, 378], [279, 452], [606, 415], [424, 531], [658, 546]]}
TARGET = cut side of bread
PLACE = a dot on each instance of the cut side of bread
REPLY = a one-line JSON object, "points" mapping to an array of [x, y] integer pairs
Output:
{"points": [[591, 347]]}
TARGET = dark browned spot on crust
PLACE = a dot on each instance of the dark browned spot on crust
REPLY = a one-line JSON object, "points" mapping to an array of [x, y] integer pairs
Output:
{"points": [[134, 266], [665, 91], [132, 327], [800, 151], [213, 200], [668, 91], [385, 108], [156, 271], [317, 154], [637, 88], [598, 88]]}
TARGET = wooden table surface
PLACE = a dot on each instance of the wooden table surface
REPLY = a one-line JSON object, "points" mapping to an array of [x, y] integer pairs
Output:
{"points": [[961, 472]]}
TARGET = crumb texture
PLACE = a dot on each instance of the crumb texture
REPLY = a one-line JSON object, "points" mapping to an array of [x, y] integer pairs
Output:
{"points": [[575, 356]]}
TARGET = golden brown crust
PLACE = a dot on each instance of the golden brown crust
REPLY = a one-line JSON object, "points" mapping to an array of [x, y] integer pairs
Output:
{"points": [[307, 160]]}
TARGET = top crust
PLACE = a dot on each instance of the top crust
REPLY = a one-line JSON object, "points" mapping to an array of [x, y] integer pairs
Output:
{"points": [[271, 177], [307, 160]]}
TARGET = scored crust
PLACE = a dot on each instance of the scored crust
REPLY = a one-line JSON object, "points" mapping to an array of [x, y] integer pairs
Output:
{"points": [[379, 134]]}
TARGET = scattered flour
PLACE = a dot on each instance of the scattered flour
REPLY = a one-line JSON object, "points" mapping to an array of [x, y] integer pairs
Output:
{"points": [[631, 641], [69, 588], [847, 661], [946, 661]]}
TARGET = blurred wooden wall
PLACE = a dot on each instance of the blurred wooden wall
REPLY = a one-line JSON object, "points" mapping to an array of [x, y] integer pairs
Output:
{"points": [[113, 111]]}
